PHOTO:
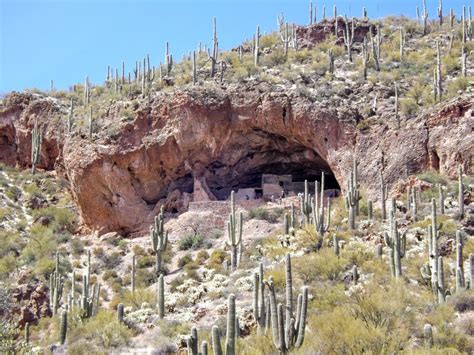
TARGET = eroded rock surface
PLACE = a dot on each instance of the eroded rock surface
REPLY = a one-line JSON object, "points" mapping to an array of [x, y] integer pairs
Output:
{"points": [[227, 137]]}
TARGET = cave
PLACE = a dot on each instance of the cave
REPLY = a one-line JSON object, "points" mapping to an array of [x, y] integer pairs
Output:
{"points": [[243, 162]]}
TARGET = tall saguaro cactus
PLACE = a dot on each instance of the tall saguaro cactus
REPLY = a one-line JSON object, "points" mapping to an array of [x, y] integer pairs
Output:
{"points": [[460, 194], [56, 285], [234, 227], [231, 329], [259, 306], [384, 196], [161, 297], [159, 239], [349, 37], [318, 210], [36, 141], [288, 330], [424, 15], [257, 47], [397, 244], [352, 196]]}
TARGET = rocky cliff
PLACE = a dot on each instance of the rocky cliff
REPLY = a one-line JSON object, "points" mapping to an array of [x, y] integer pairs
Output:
{"points": [[229, 135]]}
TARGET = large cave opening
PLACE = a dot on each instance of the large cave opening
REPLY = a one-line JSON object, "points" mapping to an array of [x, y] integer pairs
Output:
{"points": [[262, 161]]}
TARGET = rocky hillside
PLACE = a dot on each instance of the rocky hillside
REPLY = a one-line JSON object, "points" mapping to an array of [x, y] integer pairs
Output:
{"points": [[109, 246]]}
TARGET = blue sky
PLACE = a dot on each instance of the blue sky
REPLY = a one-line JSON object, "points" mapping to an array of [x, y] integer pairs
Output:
{"points": [[65, 40]]}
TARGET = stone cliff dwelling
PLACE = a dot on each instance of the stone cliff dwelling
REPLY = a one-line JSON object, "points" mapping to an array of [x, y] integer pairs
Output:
{"points": [[270, 187]]}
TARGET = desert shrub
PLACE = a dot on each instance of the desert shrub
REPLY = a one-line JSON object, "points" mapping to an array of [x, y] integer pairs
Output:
{"points": [[77, 246], [13, 193], [185, 260], [409, 107], [275, 58], [145, 261], [138, 297], [112, 260], [190, 242], [202, 256], [216, 259], [462, 302], [8, 264], [138, 250], [60, 219], [324, 265], [268, 215], [458, 85], [11, 341], [268, 41], [98, 334], [433, 177], [41, 243]]}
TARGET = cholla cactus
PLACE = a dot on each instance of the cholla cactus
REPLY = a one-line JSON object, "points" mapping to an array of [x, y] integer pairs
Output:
{"points": [[397, 243], [234, 227], [159, 239]]}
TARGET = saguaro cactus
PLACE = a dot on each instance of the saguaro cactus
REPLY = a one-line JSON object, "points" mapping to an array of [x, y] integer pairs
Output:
{"points": [[424, 15], [257, 46], [193, 343], [349, 37], [305, 204], [234, 227], [460, 193], [259, 306], [402, 44], [133, 273], [120, 312], [365, 58], [161, 297], [460, 281], [397, 243], [428, 335], [318, 209], [441, 198], [330, 61], [231, 321], [36, 140], [440, 12], [352, 196], [214, 57], [384, 196], [439, 78], [70, 116], [159, 239], [216, 341], [289, 332], [63, 328], [55, 287]]}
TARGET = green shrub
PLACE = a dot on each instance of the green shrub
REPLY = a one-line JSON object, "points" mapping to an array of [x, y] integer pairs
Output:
{"points": [[185, 260], [190, 242], [60, 219], [98, 334], [270, 216], [217, 258]]}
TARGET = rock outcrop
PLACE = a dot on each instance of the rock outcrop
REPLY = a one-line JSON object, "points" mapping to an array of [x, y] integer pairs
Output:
{"points": [[227, 137]]}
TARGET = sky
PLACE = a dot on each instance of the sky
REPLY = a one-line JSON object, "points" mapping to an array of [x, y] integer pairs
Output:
{"points": [[65, 40]]}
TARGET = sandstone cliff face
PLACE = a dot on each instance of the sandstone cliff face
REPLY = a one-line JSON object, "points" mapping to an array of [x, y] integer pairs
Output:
{"points": [[230, 136]]}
